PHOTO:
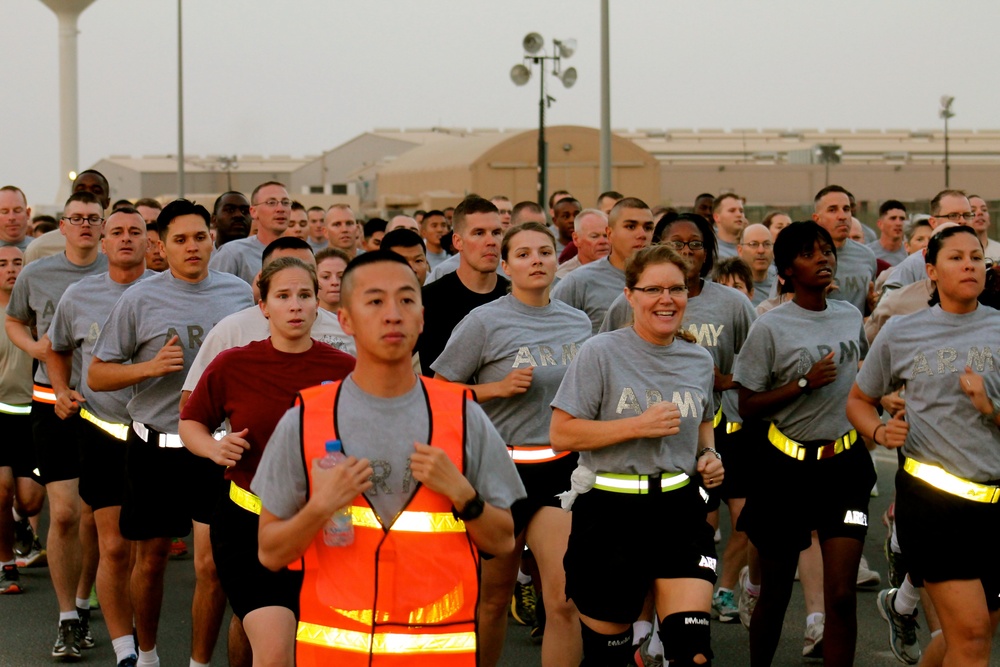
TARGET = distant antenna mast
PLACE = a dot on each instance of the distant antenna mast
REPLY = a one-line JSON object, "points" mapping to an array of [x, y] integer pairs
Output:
{"points": [[68, 11]]}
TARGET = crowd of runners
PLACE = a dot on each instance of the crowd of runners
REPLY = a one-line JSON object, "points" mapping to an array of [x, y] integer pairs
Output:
{"points": [[499, 399]]}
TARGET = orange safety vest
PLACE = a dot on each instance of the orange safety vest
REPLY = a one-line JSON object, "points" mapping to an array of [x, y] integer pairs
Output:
{"points": [[405, 593]]}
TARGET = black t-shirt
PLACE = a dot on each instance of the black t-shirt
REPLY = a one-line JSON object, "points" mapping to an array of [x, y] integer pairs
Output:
{"points": [[446, 302]]}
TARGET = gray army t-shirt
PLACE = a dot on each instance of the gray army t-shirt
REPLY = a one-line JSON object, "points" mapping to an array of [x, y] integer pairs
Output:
{"points": [[592, 288], [856, 268], [79, 318], [909, 271], [725, 249], [925, 353], [783, 345], [38, 290], [242, 257], [383, 431], [894, 257], [505, 335], [151, 313], [617, 375]]}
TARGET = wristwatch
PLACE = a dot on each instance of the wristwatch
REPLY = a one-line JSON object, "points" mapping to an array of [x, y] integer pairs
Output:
{"points": [[472, 510], [804, 384]]}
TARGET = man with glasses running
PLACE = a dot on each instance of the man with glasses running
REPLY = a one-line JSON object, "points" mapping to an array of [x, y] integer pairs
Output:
{"points": [[757, 249], [270, 208], [57, 450]]}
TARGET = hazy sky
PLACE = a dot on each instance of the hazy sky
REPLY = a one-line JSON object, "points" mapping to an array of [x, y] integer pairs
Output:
{"points": [[303, 76]]}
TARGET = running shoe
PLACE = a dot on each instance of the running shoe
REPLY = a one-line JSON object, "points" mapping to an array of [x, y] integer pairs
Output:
{"points": [[813, 646], [24, 537], [643, 658], [867, 577], [724, 607], [33, 557], [902, 628], [84, 637], [10, 580], [522, 605], [130, 661], [746, 600], [178, 548], [67, 646], [537, 629]]}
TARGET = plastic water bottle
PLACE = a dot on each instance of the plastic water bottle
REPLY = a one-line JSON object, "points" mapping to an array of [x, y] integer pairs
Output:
{"points": [[339, 529]]}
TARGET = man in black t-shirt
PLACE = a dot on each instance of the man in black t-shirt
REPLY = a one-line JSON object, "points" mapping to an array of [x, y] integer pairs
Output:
{"points": [[477, 232]]}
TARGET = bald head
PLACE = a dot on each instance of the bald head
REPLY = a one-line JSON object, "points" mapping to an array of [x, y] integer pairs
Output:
{"points": [[403, 222]]}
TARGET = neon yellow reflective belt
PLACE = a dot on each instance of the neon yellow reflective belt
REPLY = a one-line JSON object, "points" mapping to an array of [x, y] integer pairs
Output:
{"points": [[385, 642], [733, 427], [718, 418], [638, 484], [244, 498], [410, 522], [941, 479], [117, 431], [10, 409], [798, 451]]}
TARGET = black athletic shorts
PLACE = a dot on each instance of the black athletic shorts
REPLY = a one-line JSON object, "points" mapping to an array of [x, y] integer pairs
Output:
{"points": [[947, 538], [57, 446], [542, 481], [622, 543], [102, 472], [248, 584], [17, 450], [790, 498], [736, 461], [166, 488]]}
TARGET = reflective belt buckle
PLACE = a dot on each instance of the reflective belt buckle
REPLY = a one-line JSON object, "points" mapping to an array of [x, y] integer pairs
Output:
{"points": [[718, 418], [117, 431], [165, 440], [943, 480], [640, 484], [653, 483], [244, 498], [798, 451]]}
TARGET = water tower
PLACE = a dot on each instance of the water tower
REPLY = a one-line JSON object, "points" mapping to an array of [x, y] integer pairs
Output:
{"points": [[67, 11]]}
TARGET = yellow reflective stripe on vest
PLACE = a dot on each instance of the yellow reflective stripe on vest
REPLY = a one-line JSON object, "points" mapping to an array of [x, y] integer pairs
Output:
{"points": [[638, 484], [10, 409], [117, 431], [798, 451], [385, 643], [410, 522], [941, 479], [718, 418], [244, 498]]}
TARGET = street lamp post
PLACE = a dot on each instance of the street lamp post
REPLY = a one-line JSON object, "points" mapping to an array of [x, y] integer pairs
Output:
{"points": [[533, 44], [946, 113]]}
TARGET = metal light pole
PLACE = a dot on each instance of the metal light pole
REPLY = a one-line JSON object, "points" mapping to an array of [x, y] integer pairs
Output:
{"points": [[946, 113], [533, 44], [180, 102], [605, 99]]}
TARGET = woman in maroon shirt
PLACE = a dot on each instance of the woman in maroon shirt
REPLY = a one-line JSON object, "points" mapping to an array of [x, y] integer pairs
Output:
{"points": [[247, 390]]}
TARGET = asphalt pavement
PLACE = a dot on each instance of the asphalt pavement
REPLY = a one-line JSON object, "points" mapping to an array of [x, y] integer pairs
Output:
{"points": [[28, 621]]}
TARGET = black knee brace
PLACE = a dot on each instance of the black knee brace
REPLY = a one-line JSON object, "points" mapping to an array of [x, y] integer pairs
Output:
{"points": [[686, 635], [606, 650]]}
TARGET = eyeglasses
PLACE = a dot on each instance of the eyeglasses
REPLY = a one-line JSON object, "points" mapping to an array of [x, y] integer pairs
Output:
{"points": [[273, 203], [958, 217], [988, 262], [92, 220], [658, 290], [756, 245], [679, 245]]}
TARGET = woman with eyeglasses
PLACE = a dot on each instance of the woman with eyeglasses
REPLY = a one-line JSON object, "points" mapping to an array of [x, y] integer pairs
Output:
{"points": [[513, 352], [719, 318], [795, 370], [948, 487], [637, 404]]}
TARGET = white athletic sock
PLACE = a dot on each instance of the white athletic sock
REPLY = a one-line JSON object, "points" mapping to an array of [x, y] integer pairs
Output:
{"points": [[815, 617], [195, 663], [639, 631], [83, 603], [907, 598], [655, 645], [894, 540], [17, 517], [148, 658], [124, 647], [522, 578], [68, 616], [752, 588]]}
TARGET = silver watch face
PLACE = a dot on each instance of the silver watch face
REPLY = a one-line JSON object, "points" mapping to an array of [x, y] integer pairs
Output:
{"points": [[803, 383]]}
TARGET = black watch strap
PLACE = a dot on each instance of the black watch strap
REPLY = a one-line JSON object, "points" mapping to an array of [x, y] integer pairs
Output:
{"points": [[472, 510]]}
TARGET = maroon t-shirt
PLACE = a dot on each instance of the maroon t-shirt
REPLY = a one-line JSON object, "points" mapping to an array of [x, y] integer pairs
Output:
{"points": [[253, 386]]}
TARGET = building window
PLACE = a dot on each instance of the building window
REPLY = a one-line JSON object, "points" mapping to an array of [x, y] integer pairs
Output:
{"points": [[315, 189], [338, 189]]}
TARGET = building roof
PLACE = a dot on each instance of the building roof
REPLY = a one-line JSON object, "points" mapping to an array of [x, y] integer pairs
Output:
{"points": [[209, 163], [447, 153]]}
